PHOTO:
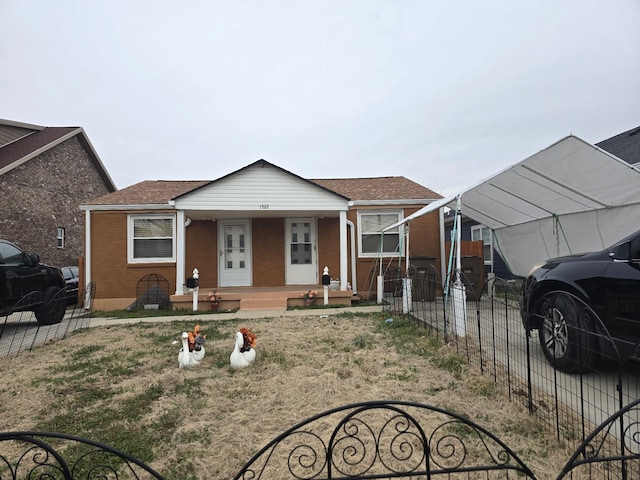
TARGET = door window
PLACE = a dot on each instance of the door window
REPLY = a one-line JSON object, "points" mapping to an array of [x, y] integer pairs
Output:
{"points": [[301, 243], [234, 248]]}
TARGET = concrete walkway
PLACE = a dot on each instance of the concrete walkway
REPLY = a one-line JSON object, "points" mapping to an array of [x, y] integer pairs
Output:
{"points": [[240, 315]]}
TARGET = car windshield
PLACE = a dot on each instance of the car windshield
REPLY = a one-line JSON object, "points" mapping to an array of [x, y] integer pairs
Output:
{"points": [[69, 272]]}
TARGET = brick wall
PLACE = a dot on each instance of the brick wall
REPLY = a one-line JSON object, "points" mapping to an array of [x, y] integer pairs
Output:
{"points": [[115, 278], [268, 251], [424, 241], [202, 252], [45, 193]]}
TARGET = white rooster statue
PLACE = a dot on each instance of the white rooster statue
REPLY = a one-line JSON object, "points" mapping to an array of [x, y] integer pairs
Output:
{"points": [[244, 353], [192, 351]]}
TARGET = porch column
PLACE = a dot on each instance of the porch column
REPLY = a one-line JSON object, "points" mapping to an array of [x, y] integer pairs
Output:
{"points": [[180, 251], [344, 254]]}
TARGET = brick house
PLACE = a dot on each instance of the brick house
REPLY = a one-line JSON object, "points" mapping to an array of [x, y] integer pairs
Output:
{"points": [[260, 226], [45, 174]]}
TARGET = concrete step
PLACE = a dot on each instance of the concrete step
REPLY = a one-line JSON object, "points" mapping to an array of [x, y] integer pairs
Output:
{"points": [[263, 303]]}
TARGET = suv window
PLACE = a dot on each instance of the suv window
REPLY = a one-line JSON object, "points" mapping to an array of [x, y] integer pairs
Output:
{"points": [[10, 255]]}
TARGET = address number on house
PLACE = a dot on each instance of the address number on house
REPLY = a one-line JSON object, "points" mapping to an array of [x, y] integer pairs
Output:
{"points": [[264, 206]]}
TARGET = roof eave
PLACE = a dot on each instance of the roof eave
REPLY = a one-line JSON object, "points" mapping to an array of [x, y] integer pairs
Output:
{"points": [[136, 206], [407, 201]]}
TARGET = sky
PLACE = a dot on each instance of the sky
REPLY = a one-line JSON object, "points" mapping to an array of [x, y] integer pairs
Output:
{"points": [[443, 92]]}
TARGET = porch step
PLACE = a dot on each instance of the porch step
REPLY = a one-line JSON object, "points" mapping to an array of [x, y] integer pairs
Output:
{"points": [[263, 303]]}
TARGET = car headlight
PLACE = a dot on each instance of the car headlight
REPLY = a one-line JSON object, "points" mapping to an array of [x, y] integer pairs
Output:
{"points": [[534, 268]]}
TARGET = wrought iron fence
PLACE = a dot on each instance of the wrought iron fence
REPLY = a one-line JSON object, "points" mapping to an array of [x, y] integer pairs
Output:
{"points": [[385, 440], [21, 331], [492, 338], [58, 456]]}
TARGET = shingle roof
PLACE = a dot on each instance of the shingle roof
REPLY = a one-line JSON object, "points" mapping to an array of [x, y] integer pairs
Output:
{"points": [[625, 146], [20, 142], [149, 192], [160, 192], [28, 144], [378, 188]]}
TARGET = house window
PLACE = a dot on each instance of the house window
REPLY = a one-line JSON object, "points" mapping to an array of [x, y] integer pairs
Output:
{"points": [[151, 238], [480, 232], [60, 243], [371, 240]]}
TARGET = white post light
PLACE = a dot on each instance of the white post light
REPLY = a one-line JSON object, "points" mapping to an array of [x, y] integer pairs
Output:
{"points": [[196, 275], [326, 281]]}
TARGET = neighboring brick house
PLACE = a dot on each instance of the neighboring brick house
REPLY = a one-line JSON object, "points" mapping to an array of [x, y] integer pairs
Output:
{"points": [[260, 226], [45, 174]]}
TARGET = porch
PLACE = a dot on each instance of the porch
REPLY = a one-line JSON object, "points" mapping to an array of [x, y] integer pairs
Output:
{"points": [[262, 298]]}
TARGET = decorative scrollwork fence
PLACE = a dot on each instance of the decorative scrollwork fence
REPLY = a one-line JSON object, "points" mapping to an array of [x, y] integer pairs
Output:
{"points": [[367, 440], [57, 456], [385, 440]]}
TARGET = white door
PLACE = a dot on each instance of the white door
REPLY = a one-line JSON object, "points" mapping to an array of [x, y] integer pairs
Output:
{"points": [[301, 252], [234, 255]]}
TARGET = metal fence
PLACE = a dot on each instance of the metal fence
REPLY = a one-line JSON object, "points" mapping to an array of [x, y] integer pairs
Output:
{"points": [[20, 331], [492, 338]]}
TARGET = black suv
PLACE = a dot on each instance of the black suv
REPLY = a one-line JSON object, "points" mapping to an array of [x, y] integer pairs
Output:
{"points": [[586, 307], [28, 285]]}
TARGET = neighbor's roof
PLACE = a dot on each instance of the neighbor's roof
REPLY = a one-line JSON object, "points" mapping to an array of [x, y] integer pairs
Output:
{"points": [[378, 188], [625, 145], [149, 192], [20, 142]]}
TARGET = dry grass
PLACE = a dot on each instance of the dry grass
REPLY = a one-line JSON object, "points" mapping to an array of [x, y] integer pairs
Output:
{"points": [[121, 385]]}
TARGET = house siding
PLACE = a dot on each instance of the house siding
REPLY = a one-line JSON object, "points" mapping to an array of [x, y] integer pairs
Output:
{"points": [[261, 188], [45, 193]]}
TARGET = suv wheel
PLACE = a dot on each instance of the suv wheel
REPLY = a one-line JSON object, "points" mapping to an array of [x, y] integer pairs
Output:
{"points": [[53, 308], [565, 334]]}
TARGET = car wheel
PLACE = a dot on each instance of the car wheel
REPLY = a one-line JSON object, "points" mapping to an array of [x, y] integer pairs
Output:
{"points": [[566, 334], [53, 308]]}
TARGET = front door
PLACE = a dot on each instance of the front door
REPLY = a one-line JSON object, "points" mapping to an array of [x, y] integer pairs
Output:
{"points": [[301, 252], [234, 255]]}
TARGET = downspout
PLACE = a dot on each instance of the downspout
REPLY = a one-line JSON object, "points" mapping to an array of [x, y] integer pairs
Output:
{"points": [[354, 282], [343, 250], [443, 260]]}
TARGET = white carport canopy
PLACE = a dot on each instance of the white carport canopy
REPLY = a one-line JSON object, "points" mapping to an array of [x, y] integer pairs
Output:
{"points": [[571, 197]]}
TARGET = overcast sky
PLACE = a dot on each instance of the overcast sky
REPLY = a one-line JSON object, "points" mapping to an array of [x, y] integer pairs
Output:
{"points": [[443, 92]]}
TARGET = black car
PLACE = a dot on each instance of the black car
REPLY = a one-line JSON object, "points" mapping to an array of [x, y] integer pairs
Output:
{"points": [[71, 281], [28, 285], [586, 307]]}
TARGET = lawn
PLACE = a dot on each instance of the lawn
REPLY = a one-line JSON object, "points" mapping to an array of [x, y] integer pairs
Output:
{"points": [[121, 385]]}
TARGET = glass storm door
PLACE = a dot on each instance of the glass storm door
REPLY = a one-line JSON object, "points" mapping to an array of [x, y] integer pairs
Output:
{"points": [[234, 256], [302, 267]]}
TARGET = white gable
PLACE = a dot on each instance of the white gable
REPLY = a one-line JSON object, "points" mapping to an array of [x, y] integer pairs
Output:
{"points": [[264, 188]]}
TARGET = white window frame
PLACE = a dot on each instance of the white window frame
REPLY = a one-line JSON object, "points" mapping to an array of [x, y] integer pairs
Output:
{"points": [[130, 239], [398, 231], [481, 229], [60, 243]]}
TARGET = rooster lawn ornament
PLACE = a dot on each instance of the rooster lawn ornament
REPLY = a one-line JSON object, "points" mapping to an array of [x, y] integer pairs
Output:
{"points": [[244, 353], [192, 351]]}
